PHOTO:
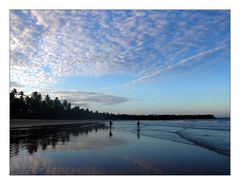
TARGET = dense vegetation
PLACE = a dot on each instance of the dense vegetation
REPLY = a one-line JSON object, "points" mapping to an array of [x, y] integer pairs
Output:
{"points": [[37, 107]]}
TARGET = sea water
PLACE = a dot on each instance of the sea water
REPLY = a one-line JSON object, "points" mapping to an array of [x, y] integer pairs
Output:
{"points": [[213, 134], [156, 147]]}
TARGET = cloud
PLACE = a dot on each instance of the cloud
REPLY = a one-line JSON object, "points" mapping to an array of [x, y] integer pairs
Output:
{"points": [[20, 165], [97, 43], [15, 85], [159, 71], [86, 99]]}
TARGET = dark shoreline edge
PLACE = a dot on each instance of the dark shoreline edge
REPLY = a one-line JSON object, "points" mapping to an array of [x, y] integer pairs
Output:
{"points": [[40, 123], [133, 117], [19, 123]]}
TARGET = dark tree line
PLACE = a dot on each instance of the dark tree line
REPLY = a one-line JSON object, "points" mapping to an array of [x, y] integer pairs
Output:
{"points": [[37, 107]]}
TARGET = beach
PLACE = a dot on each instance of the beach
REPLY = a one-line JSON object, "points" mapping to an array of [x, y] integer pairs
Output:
{"points": [[71, 149], [119, 92]]}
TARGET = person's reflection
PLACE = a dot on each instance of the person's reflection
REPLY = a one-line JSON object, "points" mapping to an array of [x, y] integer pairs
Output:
{"points": [[138, 133], [110, 133]]}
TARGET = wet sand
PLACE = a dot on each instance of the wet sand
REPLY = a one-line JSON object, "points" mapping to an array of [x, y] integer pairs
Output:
{"points": [[123, 153], [65, 149], [21, 123]]}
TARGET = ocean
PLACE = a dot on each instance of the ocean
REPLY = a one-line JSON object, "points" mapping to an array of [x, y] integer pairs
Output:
{"points": [[174, 147]]}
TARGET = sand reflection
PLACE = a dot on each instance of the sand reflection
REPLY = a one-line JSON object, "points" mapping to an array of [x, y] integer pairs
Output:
{"points": [[69, 138]]}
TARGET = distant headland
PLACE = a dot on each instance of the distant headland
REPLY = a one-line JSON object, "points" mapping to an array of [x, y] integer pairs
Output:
{"points": [[37, 107]]}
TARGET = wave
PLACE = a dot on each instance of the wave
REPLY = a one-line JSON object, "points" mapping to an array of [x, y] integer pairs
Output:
{"points": [[218, 141], [210, 134]]}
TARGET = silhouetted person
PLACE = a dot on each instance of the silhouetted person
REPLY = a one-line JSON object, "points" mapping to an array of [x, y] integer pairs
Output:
{"points": [[138, 124], [110, 124]]}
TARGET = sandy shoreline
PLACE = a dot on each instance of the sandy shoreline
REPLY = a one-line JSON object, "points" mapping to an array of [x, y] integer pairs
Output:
{"points": [[19, 123]]}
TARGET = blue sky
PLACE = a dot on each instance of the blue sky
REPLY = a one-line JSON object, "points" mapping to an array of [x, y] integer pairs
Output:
{"points": [[139, 62]]}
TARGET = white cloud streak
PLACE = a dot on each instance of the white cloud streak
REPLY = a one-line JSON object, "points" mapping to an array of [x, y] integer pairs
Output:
{"points": [[86, 98], [158, 71], [15, 85]]}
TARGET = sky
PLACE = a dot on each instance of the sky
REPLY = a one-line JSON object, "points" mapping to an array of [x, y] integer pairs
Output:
{"points": [[125, 61]]}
